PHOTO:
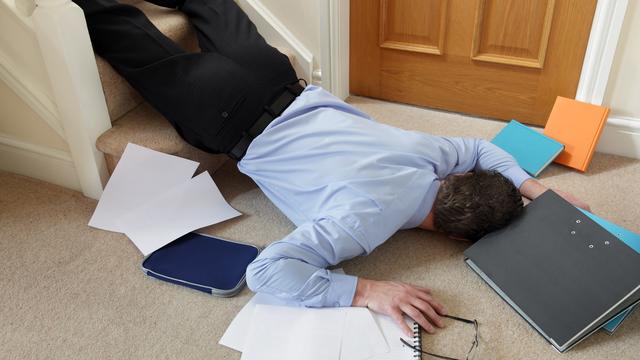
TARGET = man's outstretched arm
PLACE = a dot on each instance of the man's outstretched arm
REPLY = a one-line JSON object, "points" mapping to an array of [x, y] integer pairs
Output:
{"points": [[478, 154], [532, 188], [294, 269]]}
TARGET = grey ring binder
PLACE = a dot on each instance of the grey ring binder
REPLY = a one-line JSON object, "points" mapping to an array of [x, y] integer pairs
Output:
{"points": [[561, 271]]}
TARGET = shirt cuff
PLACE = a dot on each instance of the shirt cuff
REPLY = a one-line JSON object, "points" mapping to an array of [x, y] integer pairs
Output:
{"points": [[516, 175], [342, 288]]}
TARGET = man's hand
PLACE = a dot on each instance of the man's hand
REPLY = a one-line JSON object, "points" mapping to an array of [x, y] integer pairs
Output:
{"points": [[532, 188], [398, 299], [573, 200]]}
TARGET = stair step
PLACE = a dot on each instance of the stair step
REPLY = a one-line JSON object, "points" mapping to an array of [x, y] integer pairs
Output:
{"points": [[143, 126], [120, 96]]}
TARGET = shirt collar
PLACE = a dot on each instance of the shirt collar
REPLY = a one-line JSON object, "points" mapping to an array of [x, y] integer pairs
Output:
{"points": [[424, 207]]}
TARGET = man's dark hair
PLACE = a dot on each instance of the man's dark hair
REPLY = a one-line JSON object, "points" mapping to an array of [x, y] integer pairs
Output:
{"points": [[471, 205]]}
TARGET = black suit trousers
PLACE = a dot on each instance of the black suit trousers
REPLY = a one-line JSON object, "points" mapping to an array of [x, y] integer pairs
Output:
{"points": [[210, 97]]}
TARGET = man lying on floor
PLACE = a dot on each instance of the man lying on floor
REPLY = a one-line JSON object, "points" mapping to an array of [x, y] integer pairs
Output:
{"points": [[346, 181]]}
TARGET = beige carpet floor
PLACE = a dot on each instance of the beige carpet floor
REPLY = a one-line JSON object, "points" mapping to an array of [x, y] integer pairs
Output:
{"points": [[72, 292]]}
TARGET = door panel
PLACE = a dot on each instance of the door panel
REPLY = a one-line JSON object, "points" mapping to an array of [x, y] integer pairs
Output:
{"points": [[512, 32], [413, 25], [503, 59]]}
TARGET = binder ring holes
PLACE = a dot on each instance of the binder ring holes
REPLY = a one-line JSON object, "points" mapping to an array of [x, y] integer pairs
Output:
{"points": [[578, 221], [573, 232], [591, 246]]}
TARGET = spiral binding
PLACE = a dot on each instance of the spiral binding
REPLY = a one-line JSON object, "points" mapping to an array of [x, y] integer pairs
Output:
{"points": [[417, 341]]}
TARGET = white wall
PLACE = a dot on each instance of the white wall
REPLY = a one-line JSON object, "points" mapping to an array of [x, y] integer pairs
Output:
{"points": [[623, 89], [31, 136], [20, 122], [29, 146], [302, 18]]}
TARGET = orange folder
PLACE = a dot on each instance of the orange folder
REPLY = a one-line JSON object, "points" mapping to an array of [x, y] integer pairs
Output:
{"points": [[578, 126]]}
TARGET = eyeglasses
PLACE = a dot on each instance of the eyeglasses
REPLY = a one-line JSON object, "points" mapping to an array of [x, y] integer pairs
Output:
{"points": [[470, 353]]}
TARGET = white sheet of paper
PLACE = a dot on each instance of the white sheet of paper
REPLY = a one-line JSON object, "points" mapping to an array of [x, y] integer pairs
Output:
{"points": [[392, 333], [236, 334], [288, 333], [361, 338], [192, 205], [141, 175]]}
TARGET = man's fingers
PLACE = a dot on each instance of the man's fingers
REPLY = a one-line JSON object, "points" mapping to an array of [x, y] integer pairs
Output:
{"points": [[422, 295], [423, 289], [438, 307], [428, 310], [416, 315], [399, 319], [434, 303]]}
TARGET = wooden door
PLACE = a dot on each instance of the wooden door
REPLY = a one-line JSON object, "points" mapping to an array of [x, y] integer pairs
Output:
{"points": [[504, 59]]}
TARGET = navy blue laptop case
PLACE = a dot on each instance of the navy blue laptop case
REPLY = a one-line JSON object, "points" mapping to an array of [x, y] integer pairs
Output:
{"points": [[202, 262]]}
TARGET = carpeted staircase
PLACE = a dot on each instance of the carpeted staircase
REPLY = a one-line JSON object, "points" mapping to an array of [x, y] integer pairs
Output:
{"points": [[133, 120]]}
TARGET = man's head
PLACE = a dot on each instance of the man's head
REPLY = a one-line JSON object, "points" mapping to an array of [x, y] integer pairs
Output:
{"points": [[471, 205]]}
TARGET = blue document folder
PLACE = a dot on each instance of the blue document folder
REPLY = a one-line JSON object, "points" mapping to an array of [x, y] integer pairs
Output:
{"points": [[532, 150], [633, 241]]}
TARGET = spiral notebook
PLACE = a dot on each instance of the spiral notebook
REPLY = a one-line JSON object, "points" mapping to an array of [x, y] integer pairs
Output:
{"points": [[392, 333], [417, 341], [457, 340]]}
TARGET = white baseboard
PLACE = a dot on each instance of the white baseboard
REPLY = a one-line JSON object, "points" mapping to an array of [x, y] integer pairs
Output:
{"points": [[277, 35], [40, 162], [621, 136]]}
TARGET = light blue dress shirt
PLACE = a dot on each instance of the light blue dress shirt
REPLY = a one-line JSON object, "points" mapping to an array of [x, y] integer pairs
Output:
{"points": [[348, 183]]}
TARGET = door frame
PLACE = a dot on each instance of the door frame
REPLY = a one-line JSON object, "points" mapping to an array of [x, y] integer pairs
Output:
{"points": [[334, 46], [596, 67]]}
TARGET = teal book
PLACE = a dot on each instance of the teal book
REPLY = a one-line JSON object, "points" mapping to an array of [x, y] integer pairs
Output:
{"points": [[532, 150], [633, 241]]}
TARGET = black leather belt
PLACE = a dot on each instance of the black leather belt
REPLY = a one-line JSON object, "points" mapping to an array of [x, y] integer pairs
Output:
{"points": [[277, 107]]}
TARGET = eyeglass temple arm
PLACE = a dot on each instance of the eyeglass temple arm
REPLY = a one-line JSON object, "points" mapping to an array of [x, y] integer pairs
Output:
{"points": [[460, 319], [474, 344]]}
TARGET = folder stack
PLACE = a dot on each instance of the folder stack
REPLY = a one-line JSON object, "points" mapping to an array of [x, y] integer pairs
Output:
{"points": [[564, 272]]}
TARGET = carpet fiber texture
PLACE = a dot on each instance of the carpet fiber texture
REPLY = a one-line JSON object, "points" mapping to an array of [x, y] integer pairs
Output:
{"points": [[73, 292]]}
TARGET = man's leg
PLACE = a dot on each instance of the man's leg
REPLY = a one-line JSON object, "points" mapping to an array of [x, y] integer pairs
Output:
{"points": [[197, 93], [124, 36], [223, 27]]}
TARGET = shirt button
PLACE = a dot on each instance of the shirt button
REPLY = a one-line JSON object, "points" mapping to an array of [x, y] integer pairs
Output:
{"points": [[225, 114]]}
